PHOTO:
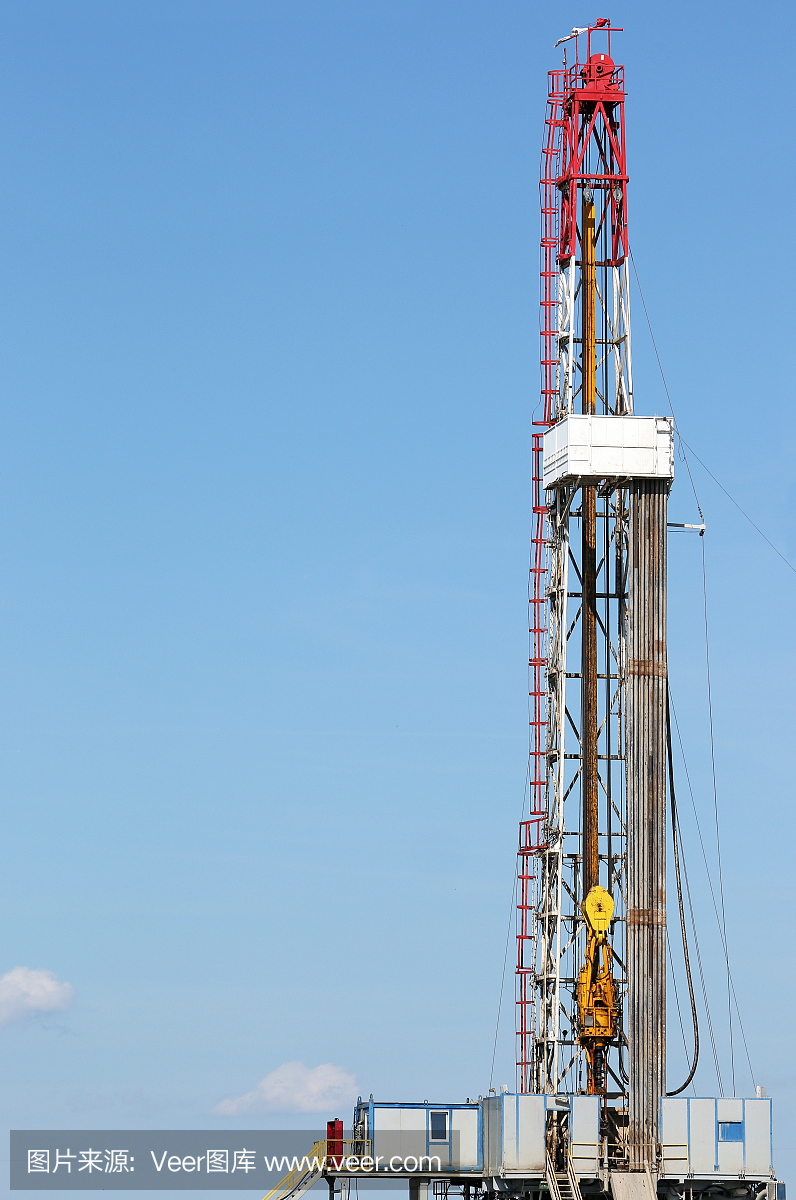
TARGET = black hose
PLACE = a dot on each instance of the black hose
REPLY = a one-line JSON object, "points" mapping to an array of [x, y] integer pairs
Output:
{"points": [[675, 827]]}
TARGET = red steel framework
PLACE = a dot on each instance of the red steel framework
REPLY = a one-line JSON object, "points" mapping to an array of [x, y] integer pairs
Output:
{"points": [[584, 146]]}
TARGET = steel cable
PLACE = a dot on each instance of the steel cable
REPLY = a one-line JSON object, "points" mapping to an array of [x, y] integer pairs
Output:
{"points": [[675, 827], [716, 812], [731, 996], [710, 884], [699, 964], [503, 978], [683, 442], [508, 930], [677, 996]]}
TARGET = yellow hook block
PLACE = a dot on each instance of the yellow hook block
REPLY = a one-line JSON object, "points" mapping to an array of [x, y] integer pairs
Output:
{"points": [[598, 908]]}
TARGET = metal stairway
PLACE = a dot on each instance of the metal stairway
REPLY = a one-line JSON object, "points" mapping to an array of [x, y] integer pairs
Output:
{"points": [[301, 1178], [562, 1185], [565, 1191]]}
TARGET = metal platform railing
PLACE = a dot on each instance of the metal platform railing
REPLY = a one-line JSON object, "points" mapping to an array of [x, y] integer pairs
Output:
{"points": [[669, 1158]]}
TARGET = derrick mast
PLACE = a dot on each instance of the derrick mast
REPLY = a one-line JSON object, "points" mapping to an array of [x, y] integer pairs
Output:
{"points": [[590, 1001], [589, 1106]]}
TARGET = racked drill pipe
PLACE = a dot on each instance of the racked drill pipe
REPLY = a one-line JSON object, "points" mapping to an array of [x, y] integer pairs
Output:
{"points": [[646, 815]]}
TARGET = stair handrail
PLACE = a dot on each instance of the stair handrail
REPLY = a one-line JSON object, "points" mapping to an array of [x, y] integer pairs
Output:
{"points": [[550, 1176], [314, 1165], [573, 1179]]}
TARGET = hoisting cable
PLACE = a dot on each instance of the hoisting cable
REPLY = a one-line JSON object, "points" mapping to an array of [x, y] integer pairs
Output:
{"points": [[665, 388], [525, 793], [693, 918], [710, 884], [723, 922], [786, 561], [691, 996], [677, 996], [503, 977], [508, 928], [716, 812], [683, 442], [699, 964]]}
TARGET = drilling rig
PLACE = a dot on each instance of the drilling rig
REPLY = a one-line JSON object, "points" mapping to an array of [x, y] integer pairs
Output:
{"points": [[598, 664], [590, 1111]]}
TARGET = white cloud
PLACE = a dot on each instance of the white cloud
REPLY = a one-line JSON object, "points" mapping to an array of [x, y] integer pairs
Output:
{"points": [[296, 1088], [23, 992]]}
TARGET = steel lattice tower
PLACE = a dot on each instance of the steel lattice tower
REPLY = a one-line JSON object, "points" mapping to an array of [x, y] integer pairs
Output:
{"points": [[575, 833]]}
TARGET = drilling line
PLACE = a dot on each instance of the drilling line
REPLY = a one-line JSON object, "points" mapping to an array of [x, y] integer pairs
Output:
{"points": [[786, 561], [503, 979], [677, 998], [675, 828], [707, 654], [683, 442], [716, 811], [710, 885], [508, 930], [701, 972], [665, 387]]}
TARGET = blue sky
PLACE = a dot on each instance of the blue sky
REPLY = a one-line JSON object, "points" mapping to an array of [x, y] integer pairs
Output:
{"points": [[268, 356]]}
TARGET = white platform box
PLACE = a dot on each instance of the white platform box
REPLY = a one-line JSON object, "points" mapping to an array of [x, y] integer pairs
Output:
{"points": [[598, 447], [432, 1138], [584, 1136], [514, 1134], [515, 1127], [726, 1137]]}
